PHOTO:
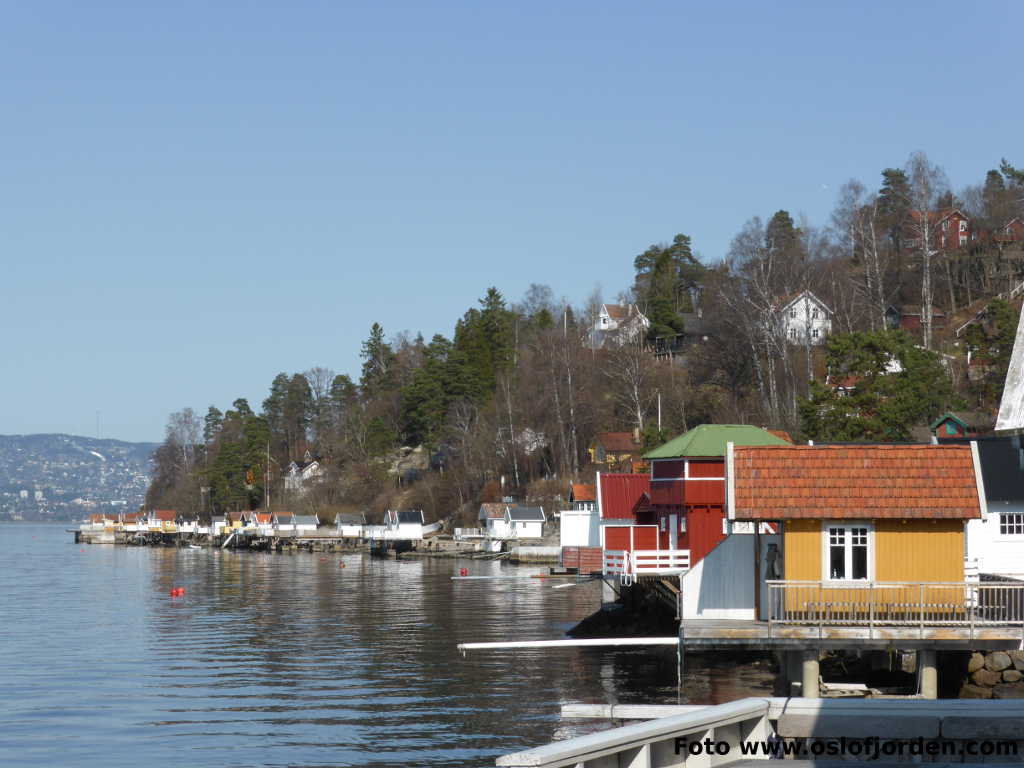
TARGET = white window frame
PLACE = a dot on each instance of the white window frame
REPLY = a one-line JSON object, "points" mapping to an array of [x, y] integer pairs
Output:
{"points": [[963, 239], [963, 226], [825, 559], [1009, 521]]}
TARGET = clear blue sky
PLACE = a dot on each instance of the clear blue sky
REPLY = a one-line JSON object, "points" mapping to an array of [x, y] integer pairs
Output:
{"points": [[196, 196]]}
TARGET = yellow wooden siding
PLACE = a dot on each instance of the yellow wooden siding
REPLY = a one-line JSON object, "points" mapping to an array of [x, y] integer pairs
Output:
{"points": [[904, 551], [919, 550], [802, 550]]}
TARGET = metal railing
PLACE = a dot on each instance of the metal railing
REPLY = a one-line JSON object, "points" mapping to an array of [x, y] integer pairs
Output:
{"points": [[646, 562], [967, 604]]}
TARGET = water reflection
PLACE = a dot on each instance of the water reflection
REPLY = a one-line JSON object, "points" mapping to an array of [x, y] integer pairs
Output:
{"points": [[278, 659]]}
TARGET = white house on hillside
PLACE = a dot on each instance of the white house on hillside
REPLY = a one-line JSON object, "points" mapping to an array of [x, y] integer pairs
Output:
{"points": [[804, 317], [619, 324], [302, 474]]}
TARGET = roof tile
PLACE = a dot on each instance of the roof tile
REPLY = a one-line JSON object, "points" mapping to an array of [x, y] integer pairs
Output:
{"points": [[860, 482]]}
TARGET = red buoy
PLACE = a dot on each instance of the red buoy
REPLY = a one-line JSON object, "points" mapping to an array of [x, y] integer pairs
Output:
{"points": [[463, 572]]}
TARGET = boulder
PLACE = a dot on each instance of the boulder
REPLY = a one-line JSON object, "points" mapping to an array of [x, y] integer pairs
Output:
{"points": [[1008, 691], [986, 677], [977, 662], [997, 661], [1012, 676], [1018, 659], [968, 691]]}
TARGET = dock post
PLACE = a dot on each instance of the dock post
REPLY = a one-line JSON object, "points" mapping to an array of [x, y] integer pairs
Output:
{"points": [[927, 673], [680, 663], [811, 670]]}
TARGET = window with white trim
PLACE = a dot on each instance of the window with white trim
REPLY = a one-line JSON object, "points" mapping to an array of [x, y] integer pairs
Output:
{"points": [[1011, 523], [847, 553], [963, 226], [963, 239]]}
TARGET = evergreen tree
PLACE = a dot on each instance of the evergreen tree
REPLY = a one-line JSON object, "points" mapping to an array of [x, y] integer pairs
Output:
{"points": [[274, 413], [377, 358], [426, 399], [894, 204], [781, 235], [212, 423], [297, 414], [894, 385]]}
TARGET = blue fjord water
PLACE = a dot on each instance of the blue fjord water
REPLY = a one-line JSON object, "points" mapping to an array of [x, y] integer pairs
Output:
{"points": [[292, 660]]}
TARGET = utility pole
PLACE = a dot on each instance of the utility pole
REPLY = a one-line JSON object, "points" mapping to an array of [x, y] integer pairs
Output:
{"points": [[266, 483]]}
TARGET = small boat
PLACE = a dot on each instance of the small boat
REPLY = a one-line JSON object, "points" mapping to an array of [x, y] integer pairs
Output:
{"points": [[194, 546]]}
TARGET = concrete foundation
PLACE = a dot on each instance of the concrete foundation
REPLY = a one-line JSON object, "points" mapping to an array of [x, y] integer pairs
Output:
{"points": [[928, 674], [811, 670]]}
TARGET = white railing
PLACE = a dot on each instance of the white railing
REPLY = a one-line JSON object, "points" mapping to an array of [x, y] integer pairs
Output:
{"points": [[883, 724], [646, 562], [615, 562], [659, 743], [964, 605]]}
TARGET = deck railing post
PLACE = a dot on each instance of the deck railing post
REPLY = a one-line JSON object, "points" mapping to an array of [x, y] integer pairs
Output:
{"points": [[871, 610], [920, 605]]}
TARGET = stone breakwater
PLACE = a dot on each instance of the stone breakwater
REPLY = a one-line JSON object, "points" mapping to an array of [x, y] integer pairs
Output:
{"points": [[994, 675]]}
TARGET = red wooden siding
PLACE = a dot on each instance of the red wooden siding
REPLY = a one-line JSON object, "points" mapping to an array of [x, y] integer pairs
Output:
{"points": [[584, 559], [630, 537], [707, 468], [704, 529]]}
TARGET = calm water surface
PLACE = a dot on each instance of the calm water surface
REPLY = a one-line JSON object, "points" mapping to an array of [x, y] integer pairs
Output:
{"points": [[291, 660]]}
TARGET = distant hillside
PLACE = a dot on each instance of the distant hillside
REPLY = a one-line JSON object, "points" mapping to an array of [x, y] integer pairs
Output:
{"points": [[64, 477]]}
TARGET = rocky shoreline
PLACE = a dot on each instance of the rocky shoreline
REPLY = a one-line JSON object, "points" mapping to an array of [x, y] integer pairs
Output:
{"points": [[994, 675]]}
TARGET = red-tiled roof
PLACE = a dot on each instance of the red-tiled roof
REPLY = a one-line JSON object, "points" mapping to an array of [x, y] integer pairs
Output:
{"points": [[583, 492], [618, 442], [165, 515], [263, 518], [855, 481], [620, 493]]}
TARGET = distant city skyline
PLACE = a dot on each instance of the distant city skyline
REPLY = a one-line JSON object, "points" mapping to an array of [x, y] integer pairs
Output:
{"points": [[196, 199]]}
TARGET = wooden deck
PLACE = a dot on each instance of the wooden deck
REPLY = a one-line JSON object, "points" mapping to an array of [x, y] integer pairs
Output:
{"points": [[713, 634]]}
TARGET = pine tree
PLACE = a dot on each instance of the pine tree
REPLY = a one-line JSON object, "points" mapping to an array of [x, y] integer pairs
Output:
{"points": [[377, 358]]}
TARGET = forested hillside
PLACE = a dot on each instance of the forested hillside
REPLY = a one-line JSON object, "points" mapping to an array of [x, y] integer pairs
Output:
{"points": [[509, 403]]}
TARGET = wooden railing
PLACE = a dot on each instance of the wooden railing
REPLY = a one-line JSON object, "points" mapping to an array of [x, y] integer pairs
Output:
{"points": [[645, 562], [895, 604]]}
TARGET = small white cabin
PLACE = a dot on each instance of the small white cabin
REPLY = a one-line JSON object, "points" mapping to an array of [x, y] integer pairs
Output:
{"points": [[525, 522], [404, 524], [284, 521], [492, 520], [305, 523]]}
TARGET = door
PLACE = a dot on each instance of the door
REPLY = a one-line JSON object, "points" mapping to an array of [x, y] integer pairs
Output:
{"points": [[673, 531]]}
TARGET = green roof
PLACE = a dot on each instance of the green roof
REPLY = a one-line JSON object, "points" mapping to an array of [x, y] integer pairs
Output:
{"points": [[711, 440]]}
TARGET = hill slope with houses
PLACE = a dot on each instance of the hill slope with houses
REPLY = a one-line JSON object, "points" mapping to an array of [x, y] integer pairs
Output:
{"points": [[66, 477]]}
